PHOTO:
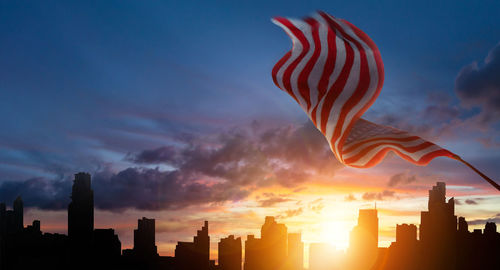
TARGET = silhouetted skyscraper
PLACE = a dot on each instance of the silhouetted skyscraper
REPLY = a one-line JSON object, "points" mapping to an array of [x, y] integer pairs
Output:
{"points": [[3, 218], [253, 253], [403, 254], [274, 243], [81, 221], [11, 221], [438, 230], [194, 255], [144, 238], [230, 253], [18, 214], [364, 241], [463, 227], [34, 228], [406, 234], [107, 247], [81, 209], [490, 229], [440, 218], [270, 251], [368, 221], [295, 251]]}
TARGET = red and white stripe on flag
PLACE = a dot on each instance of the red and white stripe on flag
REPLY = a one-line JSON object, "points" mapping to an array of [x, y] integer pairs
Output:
{"points": [[335, 72]]}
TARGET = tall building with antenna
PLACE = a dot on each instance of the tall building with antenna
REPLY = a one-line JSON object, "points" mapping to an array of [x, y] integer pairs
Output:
{"points": [[364, 241]]}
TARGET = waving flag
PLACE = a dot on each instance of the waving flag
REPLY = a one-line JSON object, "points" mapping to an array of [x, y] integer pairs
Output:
{"points": [[335, 72]]}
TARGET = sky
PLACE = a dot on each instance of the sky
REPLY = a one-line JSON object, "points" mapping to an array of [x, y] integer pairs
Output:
{"points": [[171, 107]]}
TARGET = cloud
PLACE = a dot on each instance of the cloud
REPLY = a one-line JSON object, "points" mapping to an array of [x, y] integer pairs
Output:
{"points": [[317, 205], [317, 208], [171, 225], [431, 119], [299, 189], [441, 112], [152, 189], [479, 86], [378, 196], [272, 200], [318, 200], [287, 156], [470, 202], [38, 192], [401, 178], [489, 142], [440, 120], [291, 213], [495, 219], [165, 154], [349, 198]]}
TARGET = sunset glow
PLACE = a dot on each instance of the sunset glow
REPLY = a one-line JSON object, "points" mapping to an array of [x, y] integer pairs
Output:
{"points": [[336, 233], [172, 110]]}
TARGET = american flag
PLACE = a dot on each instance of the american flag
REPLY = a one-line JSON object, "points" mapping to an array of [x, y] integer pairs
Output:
{"points": [[335, 72]]}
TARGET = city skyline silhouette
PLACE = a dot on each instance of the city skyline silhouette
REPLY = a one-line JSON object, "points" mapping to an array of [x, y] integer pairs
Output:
{"points": [[172, 108], [125, 125], [442, 241]]}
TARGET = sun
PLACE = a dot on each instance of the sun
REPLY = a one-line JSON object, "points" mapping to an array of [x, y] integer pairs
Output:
{"points": [[335, 233]]}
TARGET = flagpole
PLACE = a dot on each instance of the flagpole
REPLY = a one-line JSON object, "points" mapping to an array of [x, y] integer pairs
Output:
{"points": [[493, 183]]}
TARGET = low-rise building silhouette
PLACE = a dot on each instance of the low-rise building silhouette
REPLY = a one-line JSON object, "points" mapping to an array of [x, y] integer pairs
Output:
{"points": [[230, 253], [194, 255], [107, 248], [403, 252], [144, 238], [270, 251], [295, 260], [253, 253]]}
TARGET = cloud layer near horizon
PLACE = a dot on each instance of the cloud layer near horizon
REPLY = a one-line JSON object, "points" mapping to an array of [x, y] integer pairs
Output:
{"points": [[225, 167]]}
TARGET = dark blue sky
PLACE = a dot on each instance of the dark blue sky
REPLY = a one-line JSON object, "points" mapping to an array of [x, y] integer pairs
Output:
{"points": [[84, 85]]}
